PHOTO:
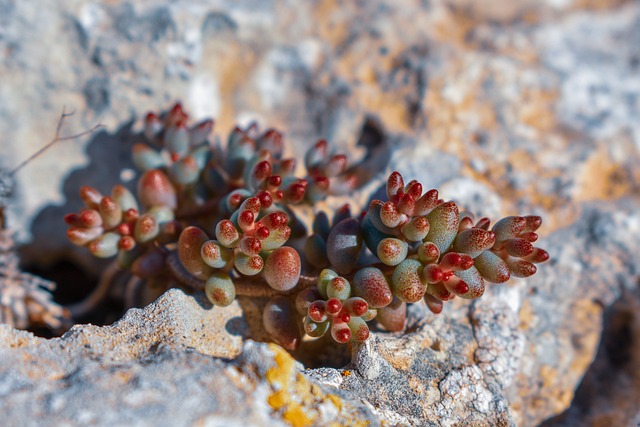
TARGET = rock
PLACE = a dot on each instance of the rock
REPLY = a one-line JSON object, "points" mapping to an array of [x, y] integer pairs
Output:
{"points": [[512, 357], [164, 365]]}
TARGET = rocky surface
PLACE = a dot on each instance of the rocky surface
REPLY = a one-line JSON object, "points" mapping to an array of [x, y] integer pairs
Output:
{"points": [[507, 107], [165, 365], [512, 357]]}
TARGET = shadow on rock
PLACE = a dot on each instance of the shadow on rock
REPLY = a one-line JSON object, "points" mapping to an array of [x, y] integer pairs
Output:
{"points": [[50, 254], [609, 393]]}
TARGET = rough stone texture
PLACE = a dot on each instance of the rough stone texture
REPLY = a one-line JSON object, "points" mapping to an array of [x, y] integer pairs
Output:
{"points": [[507, 107], [151, 368]]}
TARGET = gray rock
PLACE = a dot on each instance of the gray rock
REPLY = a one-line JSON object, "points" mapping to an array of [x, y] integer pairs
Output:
{"points": [[471, 365], [164, 365]]}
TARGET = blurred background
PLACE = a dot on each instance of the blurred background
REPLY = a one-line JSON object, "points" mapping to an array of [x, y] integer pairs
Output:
{"points": [[507, 106]]}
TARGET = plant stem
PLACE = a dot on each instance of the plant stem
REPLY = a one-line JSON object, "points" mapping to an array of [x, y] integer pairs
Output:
{"points": [[98, 295]]}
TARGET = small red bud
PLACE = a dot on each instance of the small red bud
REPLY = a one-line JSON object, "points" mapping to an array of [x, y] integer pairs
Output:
{"points": [[333, 306]]}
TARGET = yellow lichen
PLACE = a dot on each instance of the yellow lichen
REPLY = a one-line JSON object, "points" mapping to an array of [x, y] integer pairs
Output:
{"points": [[278, 399], [337, 402], [295, 397], [280, 374], [296, 416]]}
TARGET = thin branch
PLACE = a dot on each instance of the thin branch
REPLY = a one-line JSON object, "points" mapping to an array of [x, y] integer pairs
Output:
{"points": [[55, 140], [131, 290], [98, 295]]}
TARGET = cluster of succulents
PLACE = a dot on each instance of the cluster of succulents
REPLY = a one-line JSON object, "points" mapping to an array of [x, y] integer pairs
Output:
{"points": [[221, 218]]}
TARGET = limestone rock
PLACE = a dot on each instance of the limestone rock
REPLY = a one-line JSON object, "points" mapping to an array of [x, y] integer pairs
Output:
{"points": [[168, 364]]}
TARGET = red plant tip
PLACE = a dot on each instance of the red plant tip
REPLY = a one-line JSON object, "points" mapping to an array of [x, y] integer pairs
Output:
{"points": [[235, 200], [339, 158], [359, 307], [322, 182], [262, 233], [316, 311], [275, 220], [155, 189], [176, 115], [265, 199], [334, 306], [542, 256], [466, 223], [342, 335], [434, 304], [146, 224], [262, 170], [461, 288], [130, 215], [205, 126], [466, 262], [177, 108], [432, 273], [537, 256], [336, 165], [407, 204], [90, 196], [533, 222], [429, 251], [344, 316], [321, 145], [252, 204], [90, 218], [124, 229], [226, 231], [394, 184], [151, 117], [273, 135], [250, 245], [71, 219], [245, 218], [529, 236], [175, 157], [296, 191], [287, 166], [344, 210], [126, 243], [253, 126], [446, 275], [279, 195], [483, 223], [414, 189], [396, 197], [454, 259], [275, 181], [351, 180], [278, 219]]}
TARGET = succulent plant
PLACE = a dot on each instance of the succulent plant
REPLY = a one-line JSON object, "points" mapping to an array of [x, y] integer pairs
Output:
{"points": [[223, 219]]}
